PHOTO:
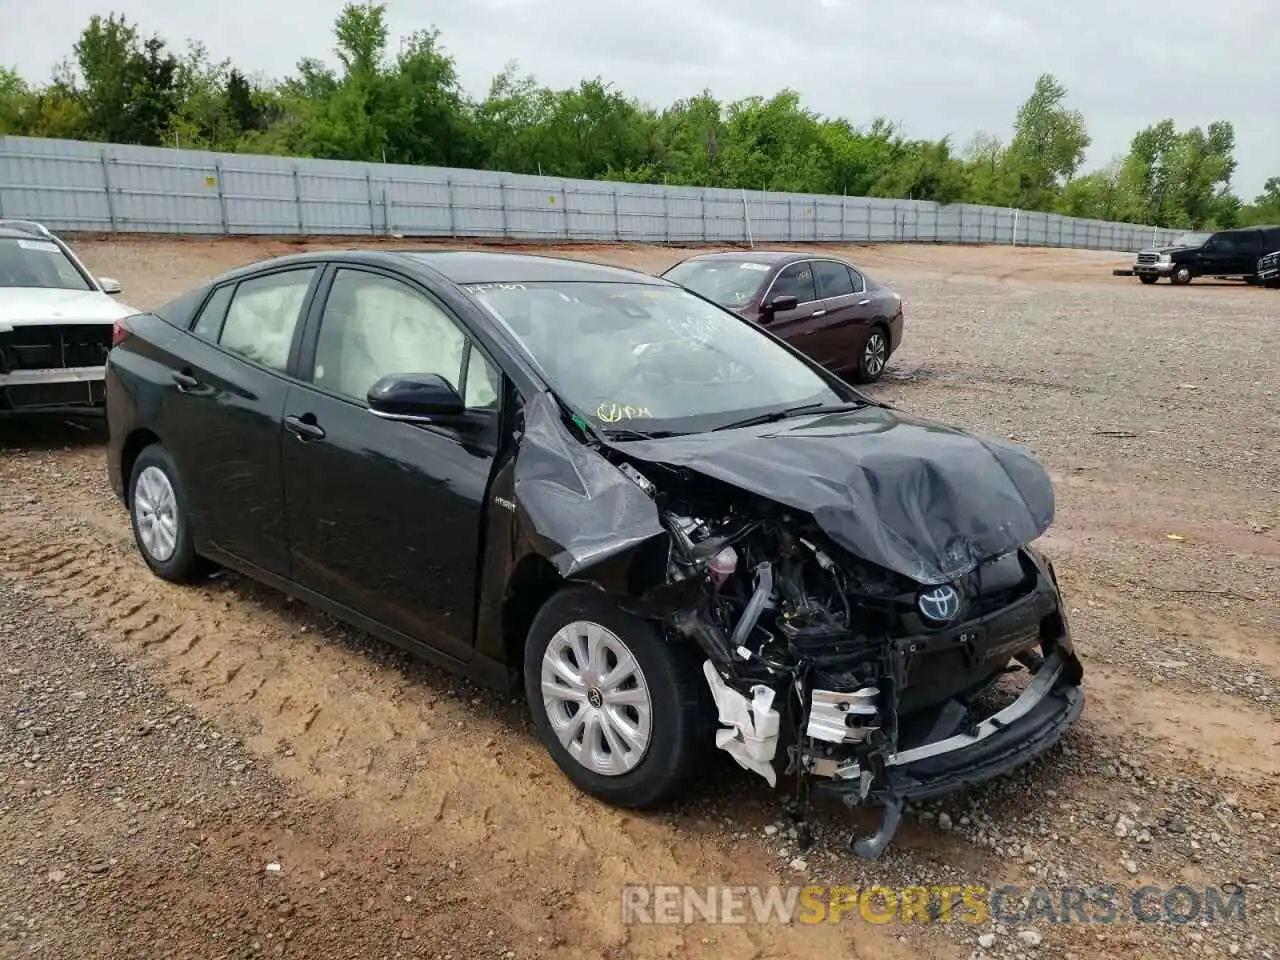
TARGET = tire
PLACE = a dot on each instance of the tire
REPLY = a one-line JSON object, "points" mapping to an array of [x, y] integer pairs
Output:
{"points": [[158, 515], [1147, 278], [667, 683], [1181, 275], [875, 356]]}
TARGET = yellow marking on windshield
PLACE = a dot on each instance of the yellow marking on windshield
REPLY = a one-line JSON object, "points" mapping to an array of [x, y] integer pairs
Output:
{"points": [[609, 412]]}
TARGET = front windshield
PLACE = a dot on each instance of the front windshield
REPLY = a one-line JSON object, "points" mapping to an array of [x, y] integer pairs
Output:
{"points": [[37, 263], [730, 283], [650, 358], [1191, 240]]}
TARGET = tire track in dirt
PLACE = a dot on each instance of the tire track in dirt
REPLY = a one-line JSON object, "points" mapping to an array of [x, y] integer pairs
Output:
{"points": [[403, 747]]}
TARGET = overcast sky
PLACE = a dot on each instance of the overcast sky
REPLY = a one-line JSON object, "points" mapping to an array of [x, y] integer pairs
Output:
{"points": [[937, 66]]}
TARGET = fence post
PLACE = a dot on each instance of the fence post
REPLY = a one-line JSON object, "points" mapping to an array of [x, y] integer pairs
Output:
{"points": [[386, 214], [844, 217], [222, 197], [297, 198], [453, 213], [106, 186], [666, 217], [368, 183], [617, 221], [502, 202], [564, 197], [746, 220], [867, 207], [791, 232], [702, 210]]}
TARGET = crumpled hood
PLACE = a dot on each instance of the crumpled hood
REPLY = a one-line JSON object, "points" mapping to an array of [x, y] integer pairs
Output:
{"points": [[39, 306], [923, 499]]}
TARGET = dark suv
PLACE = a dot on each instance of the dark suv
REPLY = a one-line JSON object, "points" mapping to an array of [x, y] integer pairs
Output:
{"points": [[1225, 254]]}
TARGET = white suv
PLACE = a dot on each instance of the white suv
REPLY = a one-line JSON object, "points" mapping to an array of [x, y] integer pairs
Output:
{"points": [[56, 322]]}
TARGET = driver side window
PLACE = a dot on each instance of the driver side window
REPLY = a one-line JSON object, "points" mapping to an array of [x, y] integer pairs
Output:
{"points": [[374, 326], [796, 281]]}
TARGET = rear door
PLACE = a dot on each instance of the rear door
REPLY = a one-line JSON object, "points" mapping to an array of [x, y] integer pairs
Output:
{"points": [[847, 319], [1248, 250], [385, 517], [224, 412]]}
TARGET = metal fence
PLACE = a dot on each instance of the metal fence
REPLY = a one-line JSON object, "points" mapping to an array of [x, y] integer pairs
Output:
{"points": [[74, 186]]}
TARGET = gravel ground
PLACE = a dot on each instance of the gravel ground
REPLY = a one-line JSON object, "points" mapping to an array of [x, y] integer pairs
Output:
{"points": [[160, 747]]}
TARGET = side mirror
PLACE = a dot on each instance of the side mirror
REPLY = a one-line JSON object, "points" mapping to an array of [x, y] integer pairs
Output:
{"points": [[417, 398], [109, 285], [777, 304]]}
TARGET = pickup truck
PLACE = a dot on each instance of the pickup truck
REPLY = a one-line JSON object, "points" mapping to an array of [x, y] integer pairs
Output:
{"points": [[1224, 255]]}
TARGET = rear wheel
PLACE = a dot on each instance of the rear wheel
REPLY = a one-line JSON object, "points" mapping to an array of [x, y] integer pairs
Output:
{"points": [[158, 512], [622, 711], [1147, 278], [1181, 275], [875, 356]]}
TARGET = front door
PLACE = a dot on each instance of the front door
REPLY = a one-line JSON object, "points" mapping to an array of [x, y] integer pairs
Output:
{"points": [[385, 517], [226, 407], [803, 325]]}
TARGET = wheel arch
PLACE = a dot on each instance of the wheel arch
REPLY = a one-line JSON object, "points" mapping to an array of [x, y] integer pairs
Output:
{"points": [[130, 450], [532, 583]]}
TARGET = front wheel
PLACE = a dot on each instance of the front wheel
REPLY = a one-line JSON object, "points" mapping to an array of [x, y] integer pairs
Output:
{"points": [[621, 710], [1147, 278], [1181, 275], [875, 356]]}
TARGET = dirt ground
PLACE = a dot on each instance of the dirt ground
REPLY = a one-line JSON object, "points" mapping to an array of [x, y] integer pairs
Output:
{"points": [[216, 771]]}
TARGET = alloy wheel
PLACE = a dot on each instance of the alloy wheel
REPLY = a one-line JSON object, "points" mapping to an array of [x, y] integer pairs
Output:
{"points": [[874, 354]]}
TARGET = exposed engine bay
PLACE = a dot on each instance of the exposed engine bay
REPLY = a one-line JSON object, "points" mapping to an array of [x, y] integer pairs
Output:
{"points": [[826, 668]]}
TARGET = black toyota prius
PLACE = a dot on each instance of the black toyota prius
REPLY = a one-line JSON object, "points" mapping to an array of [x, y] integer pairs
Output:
{"points": [[673, 529]]}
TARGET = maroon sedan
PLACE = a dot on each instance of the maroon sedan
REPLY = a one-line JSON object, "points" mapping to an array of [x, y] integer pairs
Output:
{"points": [[822, 305]]}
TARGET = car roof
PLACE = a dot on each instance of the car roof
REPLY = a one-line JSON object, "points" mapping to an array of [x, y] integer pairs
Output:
{"points": [[468, 267], [1264, 227], [759, 256], [23, 230], [462, 267]]}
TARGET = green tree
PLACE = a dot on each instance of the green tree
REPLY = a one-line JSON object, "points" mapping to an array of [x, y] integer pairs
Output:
{"points": [[1049, 143], [16, 102]]}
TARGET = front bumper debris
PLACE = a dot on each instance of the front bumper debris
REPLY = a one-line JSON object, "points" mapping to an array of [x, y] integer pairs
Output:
{"points": [[995, 746]]}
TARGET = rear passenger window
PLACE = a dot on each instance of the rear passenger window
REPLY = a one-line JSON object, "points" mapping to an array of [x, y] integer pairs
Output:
{"points": [[859, 282], [263, 315], [209, 323], [833, 279]]}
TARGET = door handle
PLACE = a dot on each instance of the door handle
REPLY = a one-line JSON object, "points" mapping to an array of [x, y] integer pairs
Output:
{"points": [[863, 303], [818, 313], [304, 427], [185, 382]]}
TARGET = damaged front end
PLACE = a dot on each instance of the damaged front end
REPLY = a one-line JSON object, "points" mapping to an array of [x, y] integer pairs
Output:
{"points": [[861, 585], [829, 670]]}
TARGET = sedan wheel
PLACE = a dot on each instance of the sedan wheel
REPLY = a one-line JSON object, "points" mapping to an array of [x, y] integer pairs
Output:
{"points": [[157, 508], [875, 356], [625, 714], [596, 698]]}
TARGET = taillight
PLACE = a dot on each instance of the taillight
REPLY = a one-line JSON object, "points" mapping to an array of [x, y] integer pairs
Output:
{"points": [[118, 333]]}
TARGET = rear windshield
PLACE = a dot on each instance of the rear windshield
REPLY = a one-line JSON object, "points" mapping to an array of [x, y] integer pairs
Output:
{"points": [[37, 263], [730, 283]]}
